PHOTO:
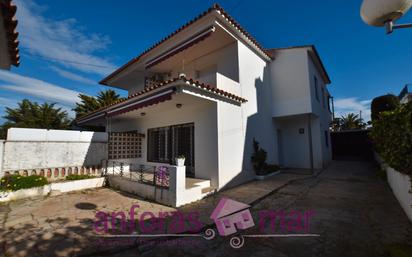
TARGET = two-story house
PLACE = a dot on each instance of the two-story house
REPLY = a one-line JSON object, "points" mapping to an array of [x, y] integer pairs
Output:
{"points": [[207, 90]]}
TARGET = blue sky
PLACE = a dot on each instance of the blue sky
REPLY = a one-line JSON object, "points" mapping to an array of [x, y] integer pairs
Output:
{"points": [[57, 39]]}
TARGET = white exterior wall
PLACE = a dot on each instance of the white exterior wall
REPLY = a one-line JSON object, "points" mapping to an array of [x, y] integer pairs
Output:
{"points": [[40, 148], [289, 79], [239, 125], [293, 91], [204, 117], [323, 155], [295, 146]]}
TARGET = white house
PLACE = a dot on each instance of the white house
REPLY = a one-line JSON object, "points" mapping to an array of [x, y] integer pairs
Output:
{"points": [[206, 90]]}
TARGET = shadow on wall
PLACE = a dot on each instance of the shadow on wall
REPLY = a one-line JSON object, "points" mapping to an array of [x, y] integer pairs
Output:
{"points": [[36, 151], [260, 126]]}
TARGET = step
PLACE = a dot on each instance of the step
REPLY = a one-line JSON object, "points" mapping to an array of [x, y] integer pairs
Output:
{"points": [[208, 190], [193, 182]]}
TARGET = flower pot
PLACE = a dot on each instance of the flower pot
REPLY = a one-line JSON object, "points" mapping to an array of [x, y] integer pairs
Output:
{"points": [[180, 161]]}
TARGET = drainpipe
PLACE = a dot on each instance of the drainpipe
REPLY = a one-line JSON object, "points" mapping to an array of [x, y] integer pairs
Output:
{"points": [[310, 142]]}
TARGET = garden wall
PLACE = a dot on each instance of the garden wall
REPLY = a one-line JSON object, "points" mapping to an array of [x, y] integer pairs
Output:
{"points": [[401, 187], [30, 150], [400, 184]]}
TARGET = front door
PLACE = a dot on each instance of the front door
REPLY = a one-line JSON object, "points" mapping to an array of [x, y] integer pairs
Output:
{"points": [[167, 143], [183, 144]]}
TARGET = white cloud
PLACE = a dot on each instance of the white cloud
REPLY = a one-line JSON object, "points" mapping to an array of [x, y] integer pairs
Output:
{"points": [[38, 88], [7, 102], [344, 106], [61, 40], [73, 76]]}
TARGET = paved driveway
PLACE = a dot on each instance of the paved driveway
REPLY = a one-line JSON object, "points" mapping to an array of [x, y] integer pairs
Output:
{"points": [[355, 215]]}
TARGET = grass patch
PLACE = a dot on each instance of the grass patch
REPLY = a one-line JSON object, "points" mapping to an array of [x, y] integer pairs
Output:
{"points": [[78, 177], [17, 182]]}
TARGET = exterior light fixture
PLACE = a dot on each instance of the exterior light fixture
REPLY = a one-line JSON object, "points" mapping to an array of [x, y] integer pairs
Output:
{"points": [[142, 114], [385, 13], [178, 106]]}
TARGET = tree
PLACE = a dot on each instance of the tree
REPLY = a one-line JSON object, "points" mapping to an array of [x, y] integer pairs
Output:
{"points": [[351, 121], [89, 103], [33, 115], [383, 103]]}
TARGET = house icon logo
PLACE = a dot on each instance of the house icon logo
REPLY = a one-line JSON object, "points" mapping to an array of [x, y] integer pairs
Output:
{"points": [[231, 216]]}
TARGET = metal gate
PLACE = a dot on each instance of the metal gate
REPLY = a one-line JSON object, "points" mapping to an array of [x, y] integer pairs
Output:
{"points": [[351, 145]]}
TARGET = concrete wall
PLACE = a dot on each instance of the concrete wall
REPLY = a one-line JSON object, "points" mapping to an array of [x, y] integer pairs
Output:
{"points": [[401, 187], [239, 125], [27, 149]]}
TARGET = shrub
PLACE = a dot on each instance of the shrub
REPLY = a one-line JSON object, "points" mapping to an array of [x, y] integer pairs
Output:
{"points": [[259, 161], [392, 138], [383, 103], [258, 158], [16, 182], [78, 177]]}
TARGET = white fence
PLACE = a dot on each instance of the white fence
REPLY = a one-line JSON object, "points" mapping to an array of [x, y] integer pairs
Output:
{"points": [[401, 186], [31, 149]]}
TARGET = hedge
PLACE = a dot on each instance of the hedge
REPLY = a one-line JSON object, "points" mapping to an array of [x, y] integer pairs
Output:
{"points": [[392, 137], [16, 182], [383, 103]]}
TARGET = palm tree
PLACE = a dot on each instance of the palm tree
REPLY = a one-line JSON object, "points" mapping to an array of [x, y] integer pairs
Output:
{"points": [[33, 115], [351, 121], [89, 103]]}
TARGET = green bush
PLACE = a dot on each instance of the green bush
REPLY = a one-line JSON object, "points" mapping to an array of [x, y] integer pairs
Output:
{"points": [[392, 138], [16, 182], [78, 177], [259, 161], [383, 103], [258, 158]]}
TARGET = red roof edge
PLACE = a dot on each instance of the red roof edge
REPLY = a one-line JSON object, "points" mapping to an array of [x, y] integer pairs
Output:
{"points": [[192, 82], [215, 7], [8, 10]]}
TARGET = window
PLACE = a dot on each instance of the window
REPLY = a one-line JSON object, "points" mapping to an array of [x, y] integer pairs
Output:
{"points": [[323, 98], [316, 88], [159, 145], [166, 143], [329, 103], [326, 138]]}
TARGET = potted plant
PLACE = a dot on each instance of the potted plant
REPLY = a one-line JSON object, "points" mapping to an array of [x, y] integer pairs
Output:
{"points": [[180, 160]]}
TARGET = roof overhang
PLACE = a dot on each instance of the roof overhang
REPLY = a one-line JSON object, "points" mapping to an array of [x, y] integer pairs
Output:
{"points": [[188, 35], [160, 93], [314, 55]]}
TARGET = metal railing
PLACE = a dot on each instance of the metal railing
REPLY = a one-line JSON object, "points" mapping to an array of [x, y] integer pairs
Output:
{"points": [[157, 176]]}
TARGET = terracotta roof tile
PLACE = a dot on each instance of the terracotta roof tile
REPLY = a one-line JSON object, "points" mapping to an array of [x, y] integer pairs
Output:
{"points": [[215, 7], [188, 81], [8, 11]]}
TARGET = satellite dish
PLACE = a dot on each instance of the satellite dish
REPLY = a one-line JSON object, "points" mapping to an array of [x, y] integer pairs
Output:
{"points": [[379, 12]]}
